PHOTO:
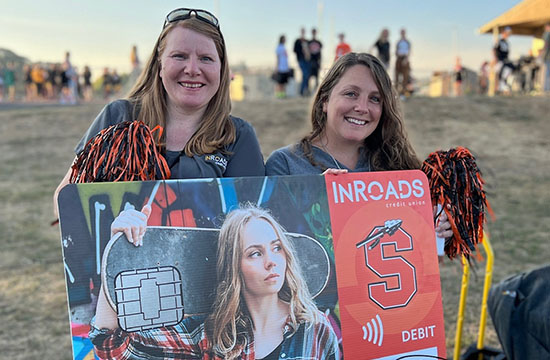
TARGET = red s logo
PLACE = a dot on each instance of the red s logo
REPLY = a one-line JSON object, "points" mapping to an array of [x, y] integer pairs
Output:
{"points": [[380, 241]]}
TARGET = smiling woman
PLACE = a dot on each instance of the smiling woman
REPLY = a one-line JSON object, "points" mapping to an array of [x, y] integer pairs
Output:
{"points": [[353, 112], [190, 71], [356, 124], [184, 88]]}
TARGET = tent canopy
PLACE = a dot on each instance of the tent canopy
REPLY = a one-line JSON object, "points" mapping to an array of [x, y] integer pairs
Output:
{"points": [[526, 18]]}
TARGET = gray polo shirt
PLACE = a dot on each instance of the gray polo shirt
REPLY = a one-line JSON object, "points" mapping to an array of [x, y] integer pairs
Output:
{"points": [[241, 158], [290, 160]]}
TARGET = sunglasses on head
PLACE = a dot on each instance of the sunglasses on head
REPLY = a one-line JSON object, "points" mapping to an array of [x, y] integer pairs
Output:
{"points": [[184, 13]]}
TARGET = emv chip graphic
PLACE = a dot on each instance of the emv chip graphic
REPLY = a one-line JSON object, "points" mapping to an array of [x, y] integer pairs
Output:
{"points": [[148, 298]]}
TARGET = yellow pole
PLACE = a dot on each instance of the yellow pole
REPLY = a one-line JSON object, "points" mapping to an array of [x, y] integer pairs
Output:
{"points": [[461, 307], [486, 287]]}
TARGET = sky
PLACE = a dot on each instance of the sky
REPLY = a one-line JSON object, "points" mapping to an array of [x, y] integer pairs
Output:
{"points": [[100, 33]]}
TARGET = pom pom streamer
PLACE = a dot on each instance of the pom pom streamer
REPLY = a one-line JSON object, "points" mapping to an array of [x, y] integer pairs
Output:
{"points": [[455, 180], [121, 152]]}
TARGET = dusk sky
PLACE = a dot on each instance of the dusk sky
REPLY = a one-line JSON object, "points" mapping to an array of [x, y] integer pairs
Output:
{"points": [[100, 33]]}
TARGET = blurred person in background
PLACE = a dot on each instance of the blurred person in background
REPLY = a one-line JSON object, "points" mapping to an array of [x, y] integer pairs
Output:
{"points": [[116, 81], [301, 49], [402, 64], [282, 73], [315, 47], [342, 48], [484, 78], [38, 76], [107, 84], [87, 90], [458, 75], [9, 81], [382, 45], [134, 59], [27, 68], [50, 82], [71, 75], [504, 66]]}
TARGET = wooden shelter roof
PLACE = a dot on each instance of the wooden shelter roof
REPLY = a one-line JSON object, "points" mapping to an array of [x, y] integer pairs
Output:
{"points": [[526, 18]]}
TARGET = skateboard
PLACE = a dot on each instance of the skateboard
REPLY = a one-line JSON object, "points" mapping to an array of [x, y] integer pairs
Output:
{"points": [[174, 274]]}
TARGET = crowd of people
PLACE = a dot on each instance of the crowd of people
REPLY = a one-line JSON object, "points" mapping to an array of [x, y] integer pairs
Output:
{"points": [[308, 56], [530, 72], [54, 82], [111, 83], [64, 83]]}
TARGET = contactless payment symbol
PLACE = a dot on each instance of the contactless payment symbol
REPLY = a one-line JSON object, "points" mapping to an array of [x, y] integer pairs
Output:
{"points": [[390, 265], [373, 331]]}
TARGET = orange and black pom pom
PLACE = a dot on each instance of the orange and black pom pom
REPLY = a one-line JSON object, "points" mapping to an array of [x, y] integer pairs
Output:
{"points": [[455, 180], [122, 152]]}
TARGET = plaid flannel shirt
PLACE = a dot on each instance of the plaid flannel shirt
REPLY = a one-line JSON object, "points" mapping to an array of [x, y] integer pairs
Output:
{"points": [[187, 340]]}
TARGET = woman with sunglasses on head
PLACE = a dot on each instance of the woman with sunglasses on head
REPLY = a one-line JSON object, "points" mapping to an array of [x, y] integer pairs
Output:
{"points": [[357, 126], [184, 87], [262, 308]]}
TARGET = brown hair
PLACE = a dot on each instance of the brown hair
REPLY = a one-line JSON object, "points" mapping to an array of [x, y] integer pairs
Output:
{"points": [[387, 148], [149, 97]]}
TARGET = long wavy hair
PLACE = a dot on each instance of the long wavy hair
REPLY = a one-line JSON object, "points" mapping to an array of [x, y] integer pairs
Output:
{"points": [[229, 323], [149, 96], [388, 147]]}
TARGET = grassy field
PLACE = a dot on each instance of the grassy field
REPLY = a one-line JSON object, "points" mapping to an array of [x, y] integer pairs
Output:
{"points": [[509, 136]]}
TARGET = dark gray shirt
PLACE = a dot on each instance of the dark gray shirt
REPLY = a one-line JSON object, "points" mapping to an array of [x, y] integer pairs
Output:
{"points": [[241, 158], [290, 160]]}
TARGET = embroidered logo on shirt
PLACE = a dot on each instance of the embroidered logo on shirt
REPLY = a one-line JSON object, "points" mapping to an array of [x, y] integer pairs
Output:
{"points": [[217, 159]]}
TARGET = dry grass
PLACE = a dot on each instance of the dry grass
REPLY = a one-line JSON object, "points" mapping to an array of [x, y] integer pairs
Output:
{"points": [[508, 135]]}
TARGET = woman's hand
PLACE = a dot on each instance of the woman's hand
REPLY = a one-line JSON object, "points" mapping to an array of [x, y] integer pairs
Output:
{"points": [[133, 224], [332, 171], [443, 226], [443, 230]]}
